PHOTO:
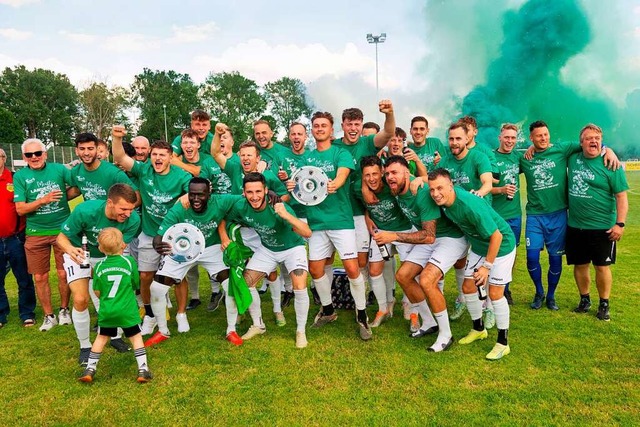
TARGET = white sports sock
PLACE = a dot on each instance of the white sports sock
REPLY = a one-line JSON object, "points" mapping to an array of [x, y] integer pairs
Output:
{"points": [[232, 308], [193, 279], [378, 286], [215, 285], [254, 309], [328, 271], [487, 304], [94, 298], [323, 287], [365, 274], [159, 305], [427, 318], [389, 274], [82, 325], [459, 280], [301, 307], [141, 358], [473, 305], [501, 310], [357, 288], [444, 329], [275, 288]]}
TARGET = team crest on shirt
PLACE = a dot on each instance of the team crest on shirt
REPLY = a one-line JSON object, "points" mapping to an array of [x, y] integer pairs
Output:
{"points": [[10, 187]]}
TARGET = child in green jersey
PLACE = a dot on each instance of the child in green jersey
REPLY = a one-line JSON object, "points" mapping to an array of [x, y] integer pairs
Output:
{"points": [[114, 280]]}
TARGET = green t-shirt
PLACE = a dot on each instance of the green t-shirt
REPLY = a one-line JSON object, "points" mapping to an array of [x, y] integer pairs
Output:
{"points": [[291, 162], [419, 208], [466, 172], [386, 214], [218, 208], [509, 169], [158, 193], [89, 218], [117, 278], [275, 233], [478, 221], [487, 151], [364, 147], [273, 157], [210, 170], [30, 185], [426, 152], [205, 146], [234, 170], [334, 213], [546, 176], [592, 190], [95, 184]]}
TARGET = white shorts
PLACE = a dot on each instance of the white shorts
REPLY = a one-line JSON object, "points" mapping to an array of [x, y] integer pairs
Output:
{"points": [[323, 242], [250, 238], [211, 260], [402, 249], [500, 274], [148, 258], [74, 271], [266, 260], [362, 233], [133, 248], [443, 253]]}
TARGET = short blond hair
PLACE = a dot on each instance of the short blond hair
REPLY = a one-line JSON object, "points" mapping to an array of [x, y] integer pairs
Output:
{"points": [[110, 241], [590, 126]]}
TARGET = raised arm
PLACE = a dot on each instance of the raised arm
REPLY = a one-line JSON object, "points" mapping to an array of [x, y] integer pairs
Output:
{"points": [[340, 179], [119, 156], [389, 128], [216, 151], [426, 235]]}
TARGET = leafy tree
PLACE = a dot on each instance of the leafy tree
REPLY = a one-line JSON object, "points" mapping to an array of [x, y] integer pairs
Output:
{"points": [[10, 132], [151, 90], [288, 101], [101, 107], [44, 103], [234, 100]]}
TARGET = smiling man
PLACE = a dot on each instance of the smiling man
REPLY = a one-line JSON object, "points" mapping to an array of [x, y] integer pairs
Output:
{"points": [[201, 123], [271, 153]]}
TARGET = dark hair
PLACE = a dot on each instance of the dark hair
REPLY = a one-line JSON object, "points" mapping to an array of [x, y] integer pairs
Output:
{"points": [[459, 124], [86, 137], [248, 144], [200, 180], [371, 125], [253, 177], [189, 133], [122, 191], [370, 161], [164, 145], [419, 119], [436, 173], [322, 115], [401, 133], [537, 124], [200, 115], [469, 122], [396, 159], [352, 114], [129, 149]]}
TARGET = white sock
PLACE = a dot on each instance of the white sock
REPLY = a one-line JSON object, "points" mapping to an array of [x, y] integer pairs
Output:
{"points": [[232, 308], [365, 274], [193, 279], [459, 280], [82, 325], [501, 310], [427, 318], [378, 286], [159, 305], [93, 296], [323, 287], [473, 305], [275, 288], [301, 307], [389, 273], [254, 309], [487, 304], [215, 286], [444, 329], [328, 271], [357, 288], [441, 285]]}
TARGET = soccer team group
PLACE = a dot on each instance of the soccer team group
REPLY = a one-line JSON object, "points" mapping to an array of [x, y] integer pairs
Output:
{"points": [[436, 206]]}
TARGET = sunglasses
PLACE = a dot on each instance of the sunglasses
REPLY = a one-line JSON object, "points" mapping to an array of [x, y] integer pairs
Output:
{"points": [[35, 153]]}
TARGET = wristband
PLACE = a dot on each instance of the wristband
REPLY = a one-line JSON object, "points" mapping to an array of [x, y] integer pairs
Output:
{"points": [[488, 265], [620, 224]]}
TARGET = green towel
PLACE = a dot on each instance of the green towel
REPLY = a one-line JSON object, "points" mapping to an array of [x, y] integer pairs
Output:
{"points": [[235, 256]]}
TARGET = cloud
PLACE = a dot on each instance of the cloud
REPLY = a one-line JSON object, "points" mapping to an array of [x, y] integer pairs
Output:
{"points": [[76, 74], [131, 42], [17, 3], [13, 34], [80, 38], [193, 33]]}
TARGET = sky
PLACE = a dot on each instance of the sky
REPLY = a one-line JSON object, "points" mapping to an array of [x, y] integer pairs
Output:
{"points": [[435, 51]]}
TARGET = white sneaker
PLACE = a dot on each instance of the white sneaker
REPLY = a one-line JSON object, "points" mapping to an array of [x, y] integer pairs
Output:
{"points": [[148, 325], [183, 322], [64, 318], [48, 323], [254, 331], [301, 340]]}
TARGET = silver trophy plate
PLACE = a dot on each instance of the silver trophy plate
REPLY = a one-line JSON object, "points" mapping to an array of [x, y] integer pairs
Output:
{"points": [[311, 185], [186, 240]]}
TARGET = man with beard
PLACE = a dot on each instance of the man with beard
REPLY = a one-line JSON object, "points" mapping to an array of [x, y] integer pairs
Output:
{"points": [[201, 123], [271, 153], [429, 150], [161, 184], [279, 230], [141, 145], [88, 219], [206, 214]]}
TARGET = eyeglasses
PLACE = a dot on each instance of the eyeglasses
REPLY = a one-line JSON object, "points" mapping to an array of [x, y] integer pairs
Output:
{"points": [[35, 153]]}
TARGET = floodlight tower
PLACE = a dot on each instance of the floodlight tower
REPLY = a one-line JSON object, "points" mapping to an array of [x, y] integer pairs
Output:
{"points": [[377, 40]]}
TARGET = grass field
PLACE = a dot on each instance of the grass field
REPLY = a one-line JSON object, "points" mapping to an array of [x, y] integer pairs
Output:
{"points": [[564, 368]]}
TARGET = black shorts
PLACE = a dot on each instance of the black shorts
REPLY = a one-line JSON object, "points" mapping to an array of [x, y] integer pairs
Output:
{"points": [[112, 332], [589, 246]]}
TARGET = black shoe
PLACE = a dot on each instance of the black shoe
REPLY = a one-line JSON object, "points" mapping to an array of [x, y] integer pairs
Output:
{"points": [[119, 345], [87, 376], [507, 295], [371, 299], [83, 358], [603, 312], [583, 307], [193, 303], [422, 332], [214, 303], [551, 304], [538, 299], [286, 297], [316, 297], [144, 376]]}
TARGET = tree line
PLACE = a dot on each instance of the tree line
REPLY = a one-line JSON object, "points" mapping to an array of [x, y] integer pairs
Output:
{"points": [[44, 104]]}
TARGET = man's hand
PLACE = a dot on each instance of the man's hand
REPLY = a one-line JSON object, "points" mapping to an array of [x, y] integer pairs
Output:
{"points": [[331, 187], [509, 190], [529, 153], [291, 184], [385, 106], [481, 275], [163, 248], [54, 196], [436, 158], [221, 128], [224, 242], [118, 131], [77, 254], [615, 233], [384, 237], [273, 198], [282, 174], [184, 201], [280, 210], [611, 161], [410, 155], [415, 185]]}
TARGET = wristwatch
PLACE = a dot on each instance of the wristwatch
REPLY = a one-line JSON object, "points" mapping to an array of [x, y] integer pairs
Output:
{"points": [[620, 224]]}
